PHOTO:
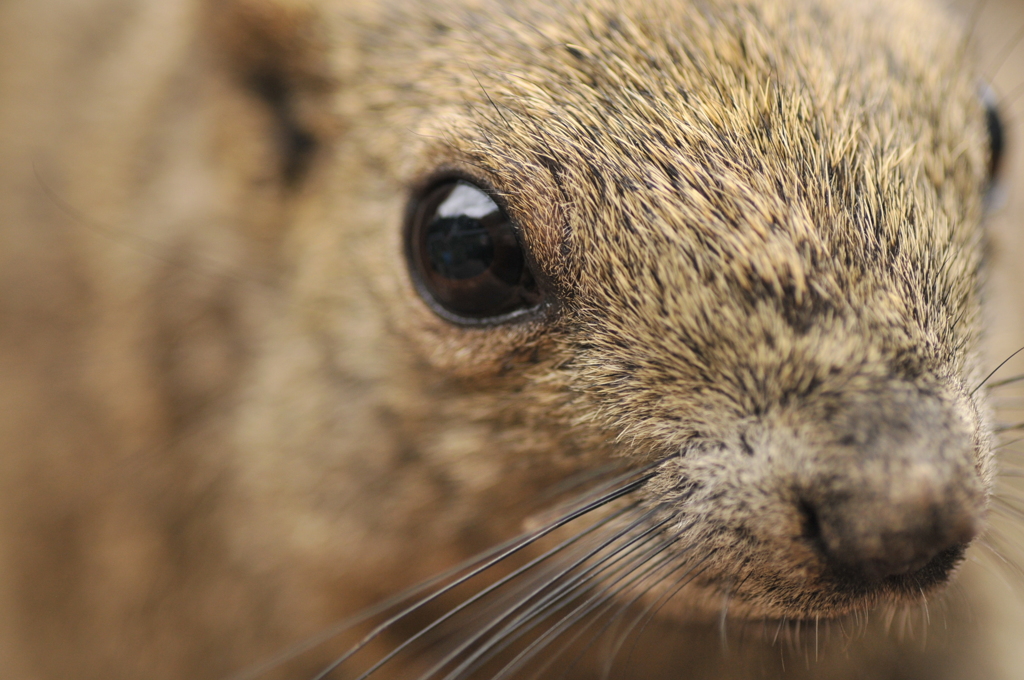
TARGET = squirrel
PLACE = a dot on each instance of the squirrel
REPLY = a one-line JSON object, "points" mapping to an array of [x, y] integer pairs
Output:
{"points": [[621, 338]]}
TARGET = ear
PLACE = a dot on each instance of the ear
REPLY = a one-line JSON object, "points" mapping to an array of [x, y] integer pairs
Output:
{"points": [[276, 51]]}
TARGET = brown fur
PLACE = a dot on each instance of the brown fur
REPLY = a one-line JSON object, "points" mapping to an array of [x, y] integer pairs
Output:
{"points": [[229, 420]]}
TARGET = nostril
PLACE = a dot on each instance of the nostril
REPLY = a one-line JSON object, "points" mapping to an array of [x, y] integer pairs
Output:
{"points": [[811, 523]]}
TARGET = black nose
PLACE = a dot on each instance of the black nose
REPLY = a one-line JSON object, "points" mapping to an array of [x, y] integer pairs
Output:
{"points": [[895, 525]]}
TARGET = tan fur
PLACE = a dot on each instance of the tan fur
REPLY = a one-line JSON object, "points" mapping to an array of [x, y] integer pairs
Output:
{"points": [[229, 420]]}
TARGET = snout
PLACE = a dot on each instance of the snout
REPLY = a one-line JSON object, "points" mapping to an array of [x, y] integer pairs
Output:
{"points": [[838, 503], [892, 489]]}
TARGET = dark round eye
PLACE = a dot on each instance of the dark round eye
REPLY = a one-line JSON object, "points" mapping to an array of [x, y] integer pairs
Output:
{"points": [[996, 135], [465, 255]]}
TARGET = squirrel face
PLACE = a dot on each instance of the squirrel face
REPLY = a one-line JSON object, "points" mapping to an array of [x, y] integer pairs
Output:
{"points": [[747, 246]]}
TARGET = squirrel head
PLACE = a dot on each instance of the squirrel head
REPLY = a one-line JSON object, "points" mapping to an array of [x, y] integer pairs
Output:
{"points": [[742, 242]]}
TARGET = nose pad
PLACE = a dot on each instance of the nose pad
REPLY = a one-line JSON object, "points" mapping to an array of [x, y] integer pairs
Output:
{"points": [[887, 484], [871, 533]]}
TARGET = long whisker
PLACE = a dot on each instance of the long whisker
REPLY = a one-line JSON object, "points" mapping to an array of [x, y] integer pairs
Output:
{"points": [[654, 571], [996, 369], [1004, 445], [652, 610], [1007, 50], [256, 671], [600, 600], [588, 575], [1014, 567], [604, 565], [603, 600], [609, 602], [1005, 505], [527, 540], [1006, 381], [580, 479], [680, 583], [555, 594], [596, 601], [486, 591]]}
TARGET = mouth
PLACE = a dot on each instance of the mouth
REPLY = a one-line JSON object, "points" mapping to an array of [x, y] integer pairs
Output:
{"points": [[815, 590], [836, 591], [915, 583]]}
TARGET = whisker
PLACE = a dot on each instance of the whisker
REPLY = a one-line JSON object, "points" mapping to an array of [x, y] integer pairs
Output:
{"points": [[135, 241], [722, 617], [621, 637], [650, 611], [924, 603], [543, 602], [816, 622], [1008, 49], [604, 603], [595, 602], [1005, 381], [609, 602], [1004, 445], [254, 672], [1003, 362], [1009, 493], [1005, 504], [972, 25], [778, 629], [635, 569], [579, 479], [1016, 572], [476, 598], [517, 546], [646, 472], [601, 602], [535, 615]]}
